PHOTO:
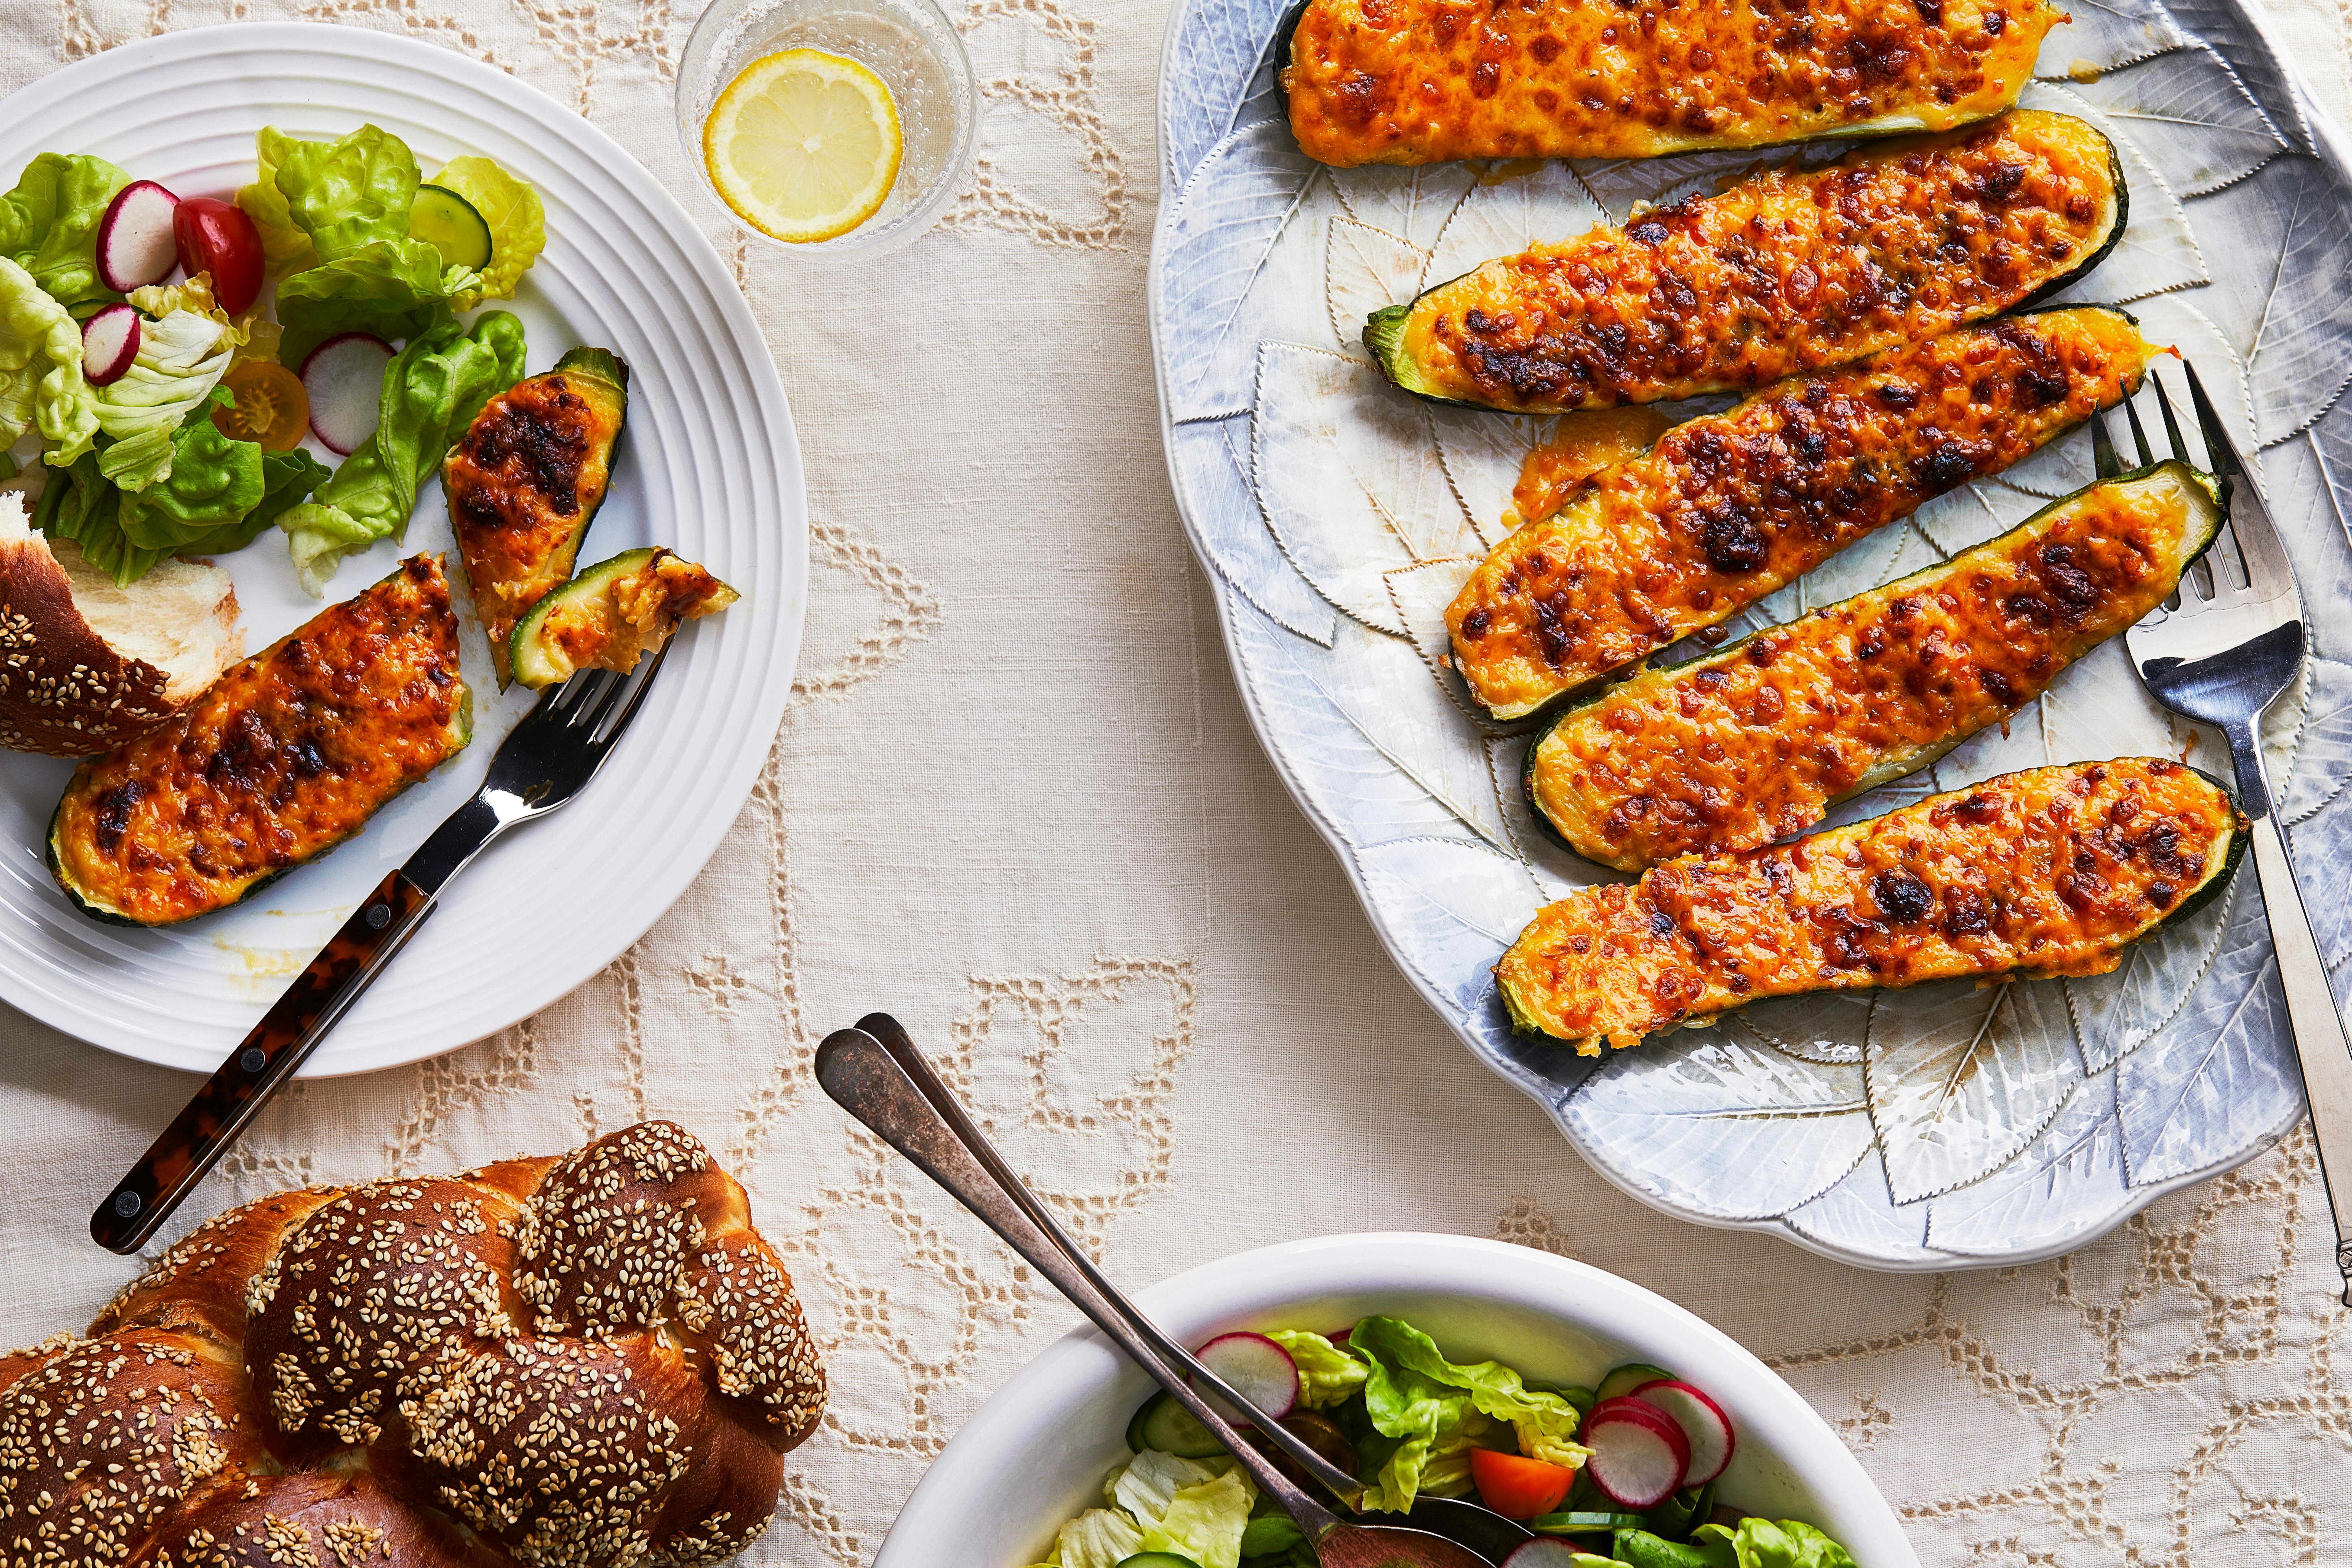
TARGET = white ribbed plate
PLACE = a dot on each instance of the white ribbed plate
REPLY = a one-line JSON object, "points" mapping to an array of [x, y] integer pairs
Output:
{"points": [[708, 465]]}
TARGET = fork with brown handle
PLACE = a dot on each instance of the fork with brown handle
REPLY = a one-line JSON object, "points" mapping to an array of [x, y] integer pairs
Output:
{"points": [[2223, 656]]}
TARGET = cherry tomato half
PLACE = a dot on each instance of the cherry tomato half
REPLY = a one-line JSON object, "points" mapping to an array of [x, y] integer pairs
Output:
{"points": [[1518, 1488], [217, 237], [272, 406]]}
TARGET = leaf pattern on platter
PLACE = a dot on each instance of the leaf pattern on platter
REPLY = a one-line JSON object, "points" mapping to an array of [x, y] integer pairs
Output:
{"points": [[1461, 904], [2286, 311], [1483, 454], [1224, 49], [1510, 209], [1858, 1218], [2119, 1011], [1364, 270], [2323, 761], [2098, 708], [1832, 1029], [2158, 250], [2240, 48], [1349, 478], [1792, 1128], [1421, 593], [2035, 1201], [2105, 36], [1965, 519], [1214, 247], [1223, 514], [1961, 1077], [2189, 116], [1411, 203], [2223, 1075], [1382, 684]]}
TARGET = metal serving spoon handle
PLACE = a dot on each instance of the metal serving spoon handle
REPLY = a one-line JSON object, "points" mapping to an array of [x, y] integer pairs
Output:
{"points": [[864, 1080]]}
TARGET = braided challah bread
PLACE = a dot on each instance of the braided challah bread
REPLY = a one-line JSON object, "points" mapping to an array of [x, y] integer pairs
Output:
{"points": [[587, 1361]]}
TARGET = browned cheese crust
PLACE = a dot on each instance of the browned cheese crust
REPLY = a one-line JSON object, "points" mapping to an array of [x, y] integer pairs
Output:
{"points": [[1421, 82], [1784, 272], [1754, 744], [2045, 873], [1727, 508], [523, 485], [286, 757]]}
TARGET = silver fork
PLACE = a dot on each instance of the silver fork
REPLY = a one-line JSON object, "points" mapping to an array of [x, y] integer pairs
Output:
{"points": [[2230, 647], [549, 759]]}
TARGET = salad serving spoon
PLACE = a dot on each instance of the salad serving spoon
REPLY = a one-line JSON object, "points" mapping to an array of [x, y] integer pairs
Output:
{"points": [[912, 1111]]}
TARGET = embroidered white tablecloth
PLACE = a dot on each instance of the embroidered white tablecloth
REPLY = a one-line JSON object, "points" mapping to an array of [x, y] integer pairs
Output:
{"points": [[1016, 802]]}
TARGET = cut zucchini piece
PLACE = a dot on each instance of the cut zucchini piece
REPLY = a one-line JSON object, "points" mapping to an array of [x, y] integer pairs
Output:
{"points": [[1784, 272], [613, 615], [2050, 871], [1759, 740], [288, 755], [1728, 507], [526, 482], [1418, 81], [448, 223]]}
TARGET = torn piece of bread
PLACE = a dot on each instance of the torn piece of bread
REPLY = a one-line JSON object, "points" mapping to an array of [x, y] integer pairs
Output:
{"points": [[86, 664]]}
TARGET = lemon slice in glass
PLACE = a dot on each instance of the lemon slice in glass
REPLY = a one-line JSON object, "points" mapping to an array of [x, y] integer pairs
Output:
{"points": [[803, 145]]}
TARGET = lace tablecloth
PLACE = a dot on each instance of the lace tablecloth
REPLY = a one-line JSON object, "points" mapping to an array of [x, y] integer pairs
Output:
{"points": [[1016, 802]]}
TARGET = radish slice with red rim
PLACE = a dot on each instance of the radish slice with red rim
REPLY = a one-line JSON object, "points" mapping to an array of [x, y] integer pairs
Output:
{"points": [[135, 243], [343, 378], [1639, 1453], [1257, 1369], [1705, 1425], [1542, 1552], [109, 342]]}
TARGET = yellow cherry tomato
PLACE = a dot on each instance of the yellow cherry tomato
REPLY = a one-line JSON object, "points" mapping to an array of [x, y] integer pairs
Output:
{"points": [[272, 406]]}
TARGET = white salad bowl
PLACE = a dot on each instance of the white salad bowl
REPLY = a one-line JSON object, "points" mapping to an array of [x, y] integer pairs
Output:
{"points": [[1036, 1453]]}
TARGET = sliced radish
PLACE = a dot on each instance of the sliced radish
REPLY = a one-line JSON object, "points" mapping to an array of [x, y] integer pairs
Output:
{"points": [[1639, 1453], [343, 379], [1543, 1553], [135, 243], [109, 341], [1257, 1369], [1703, 1424]]}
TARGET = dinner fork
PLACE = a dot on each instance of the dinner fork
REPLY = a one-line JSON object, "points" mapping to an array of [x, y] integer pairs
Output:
{"points": [[2228, 648], [549, 759], [893, 1090]]}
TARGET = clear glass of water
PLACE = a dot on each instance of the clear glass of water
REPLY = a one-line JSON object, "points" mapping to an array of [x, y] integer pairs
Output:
{"points": [[909, 43]]}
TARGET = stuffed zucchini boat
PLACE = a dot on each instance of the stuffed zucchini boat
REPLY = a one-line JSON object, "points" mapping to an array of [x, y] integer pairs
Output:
{"points": [[611, 615], [1422, 82], [2050, 871], [286, 757], [526, 482], [1758, 740], [1727, 508], [1787, 271]]}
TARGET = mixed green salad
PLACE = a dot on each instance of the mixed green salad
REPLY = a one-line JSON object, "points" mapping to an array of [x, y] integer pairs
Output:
{"points": [[168, 389], [1622, 1476]]}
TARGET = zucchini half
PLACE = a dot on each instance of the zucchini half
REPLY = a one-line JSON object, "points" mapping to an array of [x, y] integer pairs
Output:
{"points": [[613, 615], [1728, 507], [2052, 871], [286, 757], [1419, 81], [1784, 272], [1760, 740], [527, 480]]}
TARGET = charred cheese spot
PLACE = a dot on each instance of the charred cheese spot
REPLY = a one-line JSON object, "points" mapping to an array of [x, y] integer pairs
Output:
{"points": [[2047, 872], [1727, 508]]}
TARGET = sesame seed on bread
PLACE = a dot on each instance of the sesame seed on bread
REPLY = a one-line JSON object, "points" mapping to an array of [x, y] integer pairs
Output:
{"points": [[87, 663]]}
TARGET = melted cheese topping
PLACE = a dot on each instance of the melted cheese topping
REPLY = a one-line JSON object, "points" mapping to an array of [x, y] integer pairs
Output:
{"points": [[1727, 508], [1420, 81], [2046, 872], [1782, 273], [632, 613], [286, 757], [1755, 743], [1578, 446]]}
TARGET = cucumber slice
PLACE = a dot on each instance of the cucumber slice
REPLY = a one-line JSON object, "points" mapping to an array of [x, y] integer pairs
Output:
{"points": [[1157, 1560], [1162, 1424], [448, 222], [1586, 1522], [1581, 1399], [1622, 1380]]}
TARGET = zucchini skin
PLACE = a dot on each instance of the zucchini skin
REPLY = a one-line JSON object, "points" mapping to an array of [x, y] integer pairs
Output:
{"points": [[1728, 507], [651, 591], [1759, 740], [526, 481], [2049, 872], [1423, 81], [288, 755], [1782, 273]]}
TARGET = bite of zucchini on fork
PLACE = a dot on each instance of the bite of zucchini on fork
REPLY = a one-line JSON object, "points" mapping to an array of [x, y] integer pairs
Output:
{"points": [[1786, 271], [2050, 871]]}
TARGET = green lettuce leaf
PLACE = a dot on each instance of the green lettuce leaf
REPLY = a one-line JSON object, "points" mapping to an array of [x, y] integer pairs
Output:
{"points": [[49, 224], [212, 481], [1430, 1406], [1327, 1375], [41, 385], [344, 195], [80, 504], [1205, 1522], [432, 391], [1764, 1543], [181, 357], [512, 208], [394, 288], [1099, 1537], [287, 246], [1271, 1533]]}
